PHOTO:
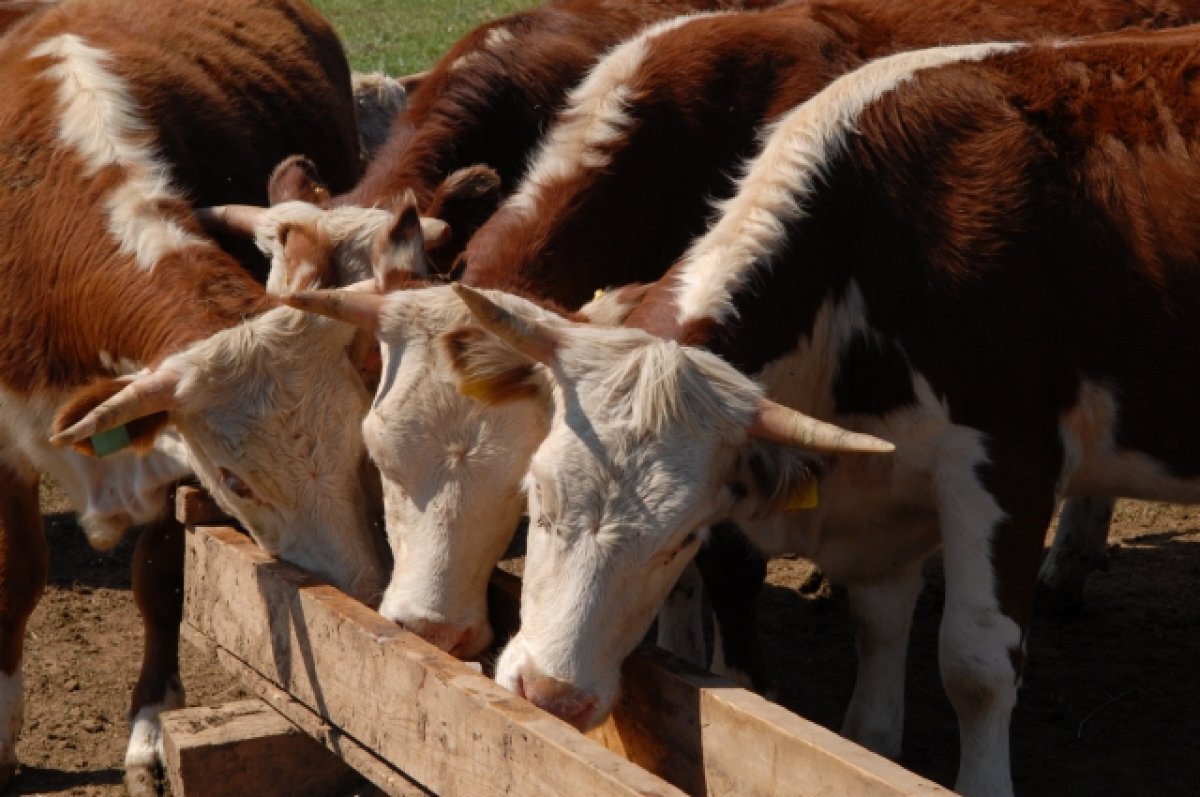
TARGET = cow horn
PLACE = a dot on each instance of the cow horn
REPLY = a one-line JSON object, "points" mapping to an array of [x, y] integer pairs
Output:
{"points": [[779, 424], [523, 334], [146, 395], [359, 308], [241, 219]]}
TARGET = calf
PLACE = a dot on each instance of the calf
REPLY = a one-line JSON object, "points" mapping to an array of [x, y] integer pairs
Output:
{"points": [[983, 254], [120, 315], [651, 134]]}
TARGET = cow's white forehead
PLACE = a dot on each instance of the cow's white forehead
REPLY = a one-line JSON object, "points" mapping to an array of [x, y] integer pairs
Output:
{"points": [[352, 230]]}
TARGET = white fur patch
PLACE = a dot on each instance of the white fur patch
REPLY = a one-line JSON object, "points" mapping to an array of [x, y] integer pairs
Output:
{"points": [[145, 733], [775, 185], [100, 121], [596, 116], [353, 232], [1094, 465]]}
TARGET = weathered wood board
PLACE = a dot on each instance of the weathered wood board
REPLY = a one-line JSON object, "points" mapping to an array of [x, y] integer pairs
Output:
{"points": [[449, 728], [406, 705], [246, 747]]}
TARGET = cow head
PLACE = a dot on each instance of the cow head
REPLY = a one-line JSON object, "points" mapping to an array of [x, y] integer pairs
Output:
{"points": [[646, 447], [452, 467], [269, 410], [360, 238]]}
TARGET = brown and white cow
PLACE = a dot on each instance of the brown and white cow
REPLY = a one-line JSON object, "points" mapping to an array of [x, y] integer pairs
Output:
{"points": [[985, 254], [120, 316], [618, 187], [487, 101]]}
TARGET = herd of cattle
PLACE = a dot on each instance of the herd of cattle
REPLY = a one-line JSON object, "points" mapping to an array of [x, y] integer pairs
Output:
{"points": [[857, 279]]}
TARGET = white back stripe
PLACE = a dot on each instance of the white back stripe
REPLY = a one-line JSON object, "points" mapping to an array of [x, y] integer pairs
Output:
{"points": [[100, 121], [595, 117], [773, 188]]}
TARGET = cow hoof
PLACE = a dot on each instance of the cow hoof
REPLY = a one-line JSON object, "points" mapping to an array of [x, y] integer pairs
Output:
{"points": [[141, 781]]}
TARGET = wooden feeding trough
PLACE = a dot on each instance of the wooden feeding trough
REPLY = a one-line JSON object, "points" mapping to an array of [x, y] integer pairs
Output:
{"points": [[414, 720]]}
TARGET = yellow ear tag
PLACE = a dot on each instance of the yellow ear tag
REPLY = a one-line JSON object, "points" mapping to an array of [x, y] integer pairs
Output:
{"points": [[478, 389], [803, 497], [599, 293]]}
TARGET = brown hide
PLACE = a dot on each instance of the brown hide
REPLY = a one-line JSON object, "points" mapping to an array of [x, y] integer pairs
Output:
{"points": [[700, 99], [492, 95], [1015, 227], [221, 107]]}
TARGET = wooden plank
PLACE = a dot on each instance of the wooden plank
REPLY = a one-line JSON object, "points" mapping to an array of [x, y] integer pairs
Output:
{"points": [[388, 779], [245, 747], [194, 506], [707, 736], [451, 729]]}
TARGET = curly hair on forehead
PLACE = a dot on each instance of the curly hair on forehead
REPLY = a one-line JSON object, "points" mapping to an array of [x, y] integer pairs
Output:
{"points": [[664, 385]]}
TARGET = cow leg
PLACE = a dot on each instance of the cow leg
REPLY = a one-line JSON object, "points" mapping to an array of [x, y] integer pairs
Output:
{"points": [[1080, 546], [882, 613], [24, 569], [734, 572], [994, 516], [680, 620], [158, 593]]}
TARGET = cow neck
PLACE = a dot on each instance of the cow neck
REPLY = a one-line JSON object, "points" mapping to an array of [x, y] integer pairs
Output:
{"points": [[94, 322]]}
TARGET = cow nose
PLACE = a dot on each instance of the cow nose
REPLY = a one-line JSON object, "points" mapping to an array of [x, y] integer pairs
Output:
{"points": [[561, 698], [450, 637]]}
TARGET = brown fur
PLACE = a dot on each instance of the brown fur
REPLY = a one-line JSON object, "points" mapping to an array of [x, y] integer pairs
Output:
{"points": [[1018, 208], [496, 380], [493, 110], [701, 99], [221, 134]]}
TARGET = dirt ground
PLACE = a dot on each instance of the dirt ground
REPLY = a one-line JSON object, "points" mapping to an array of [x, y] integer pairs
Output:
{"points": [[1110, 703]]}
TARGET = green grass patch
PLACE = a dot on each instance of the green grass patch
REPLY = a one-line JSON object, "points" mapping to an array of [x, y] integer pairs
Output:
{"points": [[400, 37]]}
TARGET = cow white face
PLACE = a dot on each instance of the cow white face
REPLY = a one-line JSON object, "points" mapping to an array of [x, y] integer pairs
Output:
{"points": [[452, 467], [269, 411], [642, 453]]}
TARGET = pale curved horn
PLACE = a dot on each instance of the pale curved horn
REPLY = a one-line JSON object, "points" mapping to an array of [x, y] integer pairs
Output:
{"points": [[146, 395], [524, 334], [779, 424], [241, 219], [355, 307]]}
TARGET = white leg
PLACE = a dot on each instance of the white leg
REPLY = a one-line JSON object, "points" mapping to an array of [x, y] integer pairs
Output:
{"points": [[680, 622], [882, 614], [976, 642], [145, 733], [1080, 546]]}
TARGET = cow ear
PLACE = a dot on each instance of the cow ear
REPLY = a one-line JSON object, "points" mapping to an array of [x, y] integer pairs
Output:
{"points": [[297, 178], [111, 414], [308, 259], [400, 250], [488, 370], [465, 200]]}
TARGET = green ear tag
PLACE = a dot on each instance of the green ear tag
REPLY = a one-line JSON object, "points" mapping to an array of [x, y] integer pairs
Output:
{"points": [[110, 441]]}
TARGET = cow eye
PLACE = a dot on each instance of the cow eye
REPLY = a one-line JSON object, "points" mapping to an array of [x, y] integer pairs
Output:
{"points": [[235, 485]]}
